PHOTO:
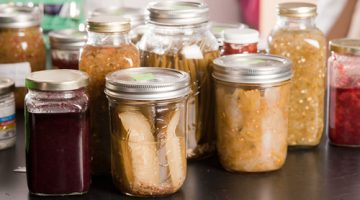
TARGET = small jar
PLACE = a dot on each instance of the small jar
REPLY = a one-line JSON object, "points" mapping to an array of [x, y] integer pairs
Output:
{"points": [[57, 133], [218, 30], [148, 125], [252, 97], [7, 113], [65, 48], [238, 41], [344, 92], [22, 48]]}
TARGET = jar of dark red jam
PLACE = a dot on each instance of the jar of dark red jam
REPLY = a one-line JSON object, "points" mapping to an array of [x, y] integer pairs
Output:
{"points": [[239, 41], [65, 48], [344, 92], [57, 133]]}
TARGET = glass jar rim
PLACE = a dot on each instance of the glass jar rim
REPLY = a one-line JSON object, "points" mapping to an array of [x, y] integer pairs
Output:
{"points": [[6, 85], [349, 46], [16, 16], [296, 9]]}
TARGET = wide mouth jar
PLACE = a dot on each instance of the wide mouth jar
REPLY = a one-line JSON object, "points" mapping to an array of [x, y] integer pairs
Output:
{"points": [[15, 16]]}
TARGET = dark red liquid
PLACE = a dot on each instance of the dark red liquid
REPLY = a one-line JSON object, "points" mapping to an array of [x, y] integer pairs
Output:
{"points": [[230, 49], [65, 64], [344, 117], [57, 153]]}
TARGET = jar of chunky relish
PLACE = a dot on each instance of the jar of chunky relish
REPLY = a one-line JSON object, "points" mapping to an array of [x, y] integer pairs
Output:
{"points": [[238, 41], [344, 92], [7, 113], [57, 133]]}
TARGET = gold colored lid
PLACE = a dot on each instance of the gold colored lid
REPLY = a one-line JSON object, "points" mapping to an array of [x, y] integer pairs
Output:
{"points": [[345, 46], [296, 9], [108, 24]]}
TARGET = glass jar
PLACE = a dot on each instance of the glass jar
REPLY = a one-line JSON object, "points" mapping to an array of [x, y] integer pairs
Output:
{"points": [[57, 133], [252, 97], [108, 48], [238, 41], [179, 38], [218, 30], [148, 125], [65, 48], [296, 37], [7, 113], [344, 92]]}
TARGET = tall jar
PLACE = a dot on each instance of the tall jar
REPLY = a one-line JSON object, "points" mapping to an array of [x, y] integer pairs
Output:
{"points": [[148, 124], [57, 133], [179, 38], [252, 97], [22, 48], [344, 92], [108, 48], [296, 37], [7, 113]]}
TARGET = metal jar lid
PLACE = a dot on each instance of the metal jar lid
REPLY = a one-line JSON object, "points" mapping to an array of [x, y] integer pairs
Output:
{"points": [[108, 24], [57, 80], [6, 85], [147, 83], [296, 9], [217, 29], [252, 69], [177, 13], [68, 39], [241, 36], [345, 46], [13, 16]]}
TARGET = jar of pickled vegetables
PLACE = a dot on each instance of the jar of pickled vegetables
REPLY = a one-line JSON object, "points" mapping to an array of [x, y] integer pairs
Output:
{"points": [[179, 38], [7, 113], [148, 126], [252, 97], [22, 49], [296, 37], [65, 48], [57, 133], [344, 92], [238, 41], [108, 48]]}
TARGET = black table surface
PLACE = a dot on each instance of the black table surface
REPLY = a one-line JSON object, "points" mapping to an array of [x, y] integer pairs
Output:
{"points": [[325, 172]]}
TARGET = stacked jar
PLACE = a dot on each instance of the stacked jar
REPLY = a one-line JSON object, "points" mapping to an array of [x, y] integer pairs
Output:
{"points": [[108, 48], [179, 38], [296, 37]]}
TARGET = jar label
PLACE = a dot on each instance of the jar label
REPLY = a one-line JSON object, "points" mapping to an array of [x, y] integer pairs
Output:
{"points": [[16, 71], [7, 119]]}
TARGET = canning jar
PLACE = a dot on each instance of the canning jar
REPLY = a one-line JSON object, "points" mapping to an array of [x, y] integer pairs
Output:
{"points": [[65, 48], [7, 113], [108, 48], [296, 37], [344, 92], [238, 41], [57, 133], [218, 30], [148, 124], [179, 38], [22, 48], [252, 97]]}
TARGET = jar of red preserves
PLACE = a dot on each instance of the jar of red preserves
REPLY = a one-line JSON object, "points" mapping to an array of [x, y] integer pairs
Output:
{"points": [[238, 41], [344, 92], [57, 133]]}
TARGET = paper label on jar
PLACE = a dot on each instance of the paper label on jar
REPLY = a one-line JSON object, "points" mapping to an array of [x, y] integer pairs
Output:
{"points": [[16, 71], [7, 119]]}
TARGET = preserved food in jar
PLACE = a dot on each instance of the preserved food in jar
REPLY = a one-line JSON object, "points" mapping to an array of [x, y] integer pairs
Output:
{"points": [[7, 113], [344, 93], [237, 41], [169, 43], [21, 44], [297, 38], [57, 133], [148, 131], [108, 49], [252, 97]]}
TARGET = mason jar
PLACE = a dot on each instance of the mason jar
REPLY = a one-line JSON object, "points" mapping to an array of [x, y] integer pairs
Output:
{"points": [[179, 38], [218, 29], [148, 125], [57, 133], [252, 98], [65, 48], [239, 41], [7, 113], [22, 48], [108, 48], [296, 37]]}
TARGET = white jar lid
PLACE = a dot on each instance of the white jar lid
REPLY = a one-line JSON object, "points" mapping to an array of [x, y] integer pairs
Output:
{"points": [[241, 36]]}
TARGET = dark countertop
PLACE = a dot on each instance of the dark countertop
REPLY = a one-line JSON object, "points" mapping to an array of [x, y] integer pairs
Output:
{"points": [[326, 172]]}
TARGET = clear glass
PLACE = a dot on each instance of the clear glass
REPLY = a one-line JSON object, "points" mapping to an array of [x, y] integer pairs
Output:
{"points": [[57, 142], [7, 120], [148, 153], [344, 98], [191, 49], [304, 44], [22, 45], [65, 59], [102, 54]]}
